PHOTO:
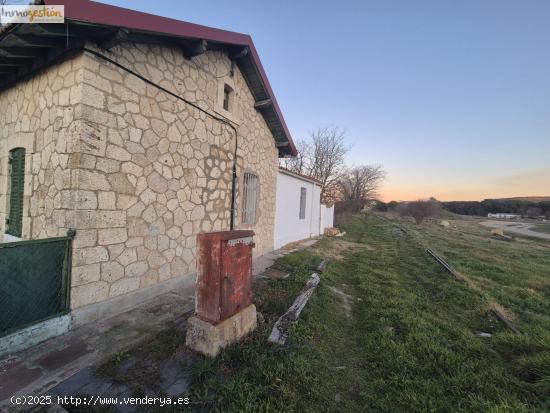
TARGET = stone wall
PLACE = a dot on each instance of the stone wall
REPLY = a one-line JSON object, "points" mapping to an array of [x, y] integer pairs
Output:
{"points": [[136, 171], [154, 171], [40, 115]]}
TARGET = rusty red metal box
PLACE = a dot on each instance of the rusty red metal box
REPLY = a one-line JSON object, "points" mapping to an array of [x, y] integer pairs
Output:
{"points": [[224, 280]]}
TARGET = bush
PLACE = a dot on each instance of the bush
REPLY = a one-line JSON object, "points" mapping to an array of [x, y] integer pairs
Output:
{"points": [[420, 209]]}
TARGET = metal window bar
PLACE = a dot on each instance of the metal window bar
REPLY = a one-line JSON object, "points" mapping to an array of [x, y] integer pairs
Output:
{"points": [[303, 197], [250, 193]]}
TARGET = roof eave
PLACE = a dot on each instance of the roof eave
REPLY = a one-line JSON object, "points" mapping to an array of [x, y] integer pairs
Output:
{"points": [[99, 13]]}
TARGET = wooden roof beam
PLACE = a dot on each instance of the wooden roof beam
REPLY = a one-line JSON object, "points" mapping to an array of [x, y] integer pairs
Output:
{"points": [[14, 61], [40, 41], [9, 69], [194, 48], [261, 104], [55, 29], [120, 36], [238, 53], [27, 52]]}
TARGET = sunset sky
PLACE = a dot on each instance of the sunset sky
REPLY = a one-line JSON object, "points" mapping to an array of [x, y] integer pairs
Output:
{"points": [[451, 97]]}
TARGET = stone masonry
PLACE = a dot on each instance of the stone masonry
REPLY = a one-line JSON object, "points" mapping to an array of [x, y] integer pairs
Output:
{"points": [[136, 171]]}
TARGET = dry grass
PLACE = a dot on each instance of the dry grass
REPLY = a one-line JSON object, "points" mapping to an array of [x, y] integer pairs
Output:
{"points": [[338, 248]]}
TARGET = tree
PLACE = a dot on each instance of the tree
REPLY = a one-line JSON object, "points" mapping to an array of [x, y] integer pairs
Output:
{"points": [[509, 206], [299, 163], [392, 205], [533, 212], [322, 157], [361, 183], [380, 206], [420, 209]]}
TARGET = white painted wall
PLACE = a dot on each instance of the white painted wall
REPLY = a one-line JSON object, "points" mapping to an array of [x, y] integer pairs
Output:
{"points": [[315, 206], [288, 225], [327, 217]]}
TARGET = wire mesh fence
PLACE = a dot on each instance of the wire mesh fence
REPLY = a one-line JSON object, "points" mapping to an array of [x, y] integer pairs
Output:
{"points": [[34, 281]]}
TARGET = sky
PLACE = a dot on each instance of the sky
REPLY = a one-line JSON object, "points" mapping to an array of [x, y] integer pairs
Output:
{"points": [[451, 97]]}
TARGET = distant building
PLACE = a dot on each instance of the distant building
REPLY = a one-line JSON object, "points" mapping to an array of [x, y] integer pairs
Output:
{"points": [[504, 216]]}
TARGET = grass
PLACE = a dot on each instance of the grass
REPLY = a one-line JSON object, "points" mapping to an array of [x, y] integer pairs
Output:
{"points": [[545, 228], [409, 341]]}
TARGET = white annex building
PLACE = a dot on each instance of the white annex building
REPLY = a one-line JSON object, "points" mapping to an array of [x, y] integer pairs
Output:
{"points": [[299, 212]]}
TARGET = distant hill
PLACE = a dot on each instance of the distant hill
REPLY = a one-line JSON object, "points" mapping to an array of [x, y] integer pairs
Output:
{"points": [[530, 205], [524, 198]]}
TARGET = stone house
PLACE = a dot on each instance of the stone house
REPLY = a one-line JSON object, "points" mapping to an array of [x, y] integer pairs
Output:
{"points": [[124, 126]]}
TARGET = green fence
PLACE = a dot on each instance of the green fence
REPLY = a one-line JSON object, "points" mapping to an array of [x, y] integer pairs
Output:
{"points": [[35, 280]]}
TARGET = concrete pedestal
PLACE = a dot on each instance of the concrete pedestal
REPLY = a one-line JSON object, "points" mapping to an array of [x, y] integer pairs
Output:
{"points": [[209, 339]]}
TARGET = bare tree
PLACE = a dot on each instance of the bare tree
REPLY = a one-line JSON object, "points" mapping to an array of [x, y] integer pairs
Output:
{"points": [[361, 183], [420, 209], [533, 212], [322, 157], [299, 163], [328, 151]]}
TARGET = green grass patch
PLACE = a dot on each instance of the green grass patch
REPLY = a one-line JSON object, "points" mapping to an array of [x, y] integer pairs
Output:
{"points": [[387, 330], [409, 343], [545, 228]]}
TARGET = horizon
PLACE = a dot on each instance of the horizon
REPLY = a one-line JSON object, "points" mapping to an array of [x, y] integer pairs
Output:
{"points": [[520, 198], [450, 98]]}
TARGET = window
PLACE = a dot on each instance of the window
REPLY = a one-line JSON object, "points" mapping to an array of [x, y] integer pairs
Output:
{"points": [[303, 195], [17, 180], [250, 196], [227, 95]]}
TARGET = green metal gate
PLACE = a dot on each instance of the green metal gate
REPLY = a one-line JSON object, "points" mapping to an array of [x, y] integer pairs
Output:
{"points": [[35, 280]]}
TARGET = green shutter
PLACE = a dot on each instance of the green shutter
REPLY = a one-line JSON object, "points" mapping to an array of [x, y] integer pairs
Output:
{"points": [[17, 182]]}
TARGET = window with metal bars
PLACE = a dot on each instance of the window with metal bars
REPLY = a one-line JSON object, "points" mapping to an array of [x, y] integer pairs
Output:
{"points": [[14, 222], [303, 197], [250, 198]]}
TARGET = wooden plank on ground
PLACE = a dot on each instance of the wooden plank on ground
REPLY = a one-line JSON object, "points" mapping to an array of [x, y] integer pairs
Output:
{"points": [[496, 311], [280, 331], [322, 265], [502, 317], [443, 263]]}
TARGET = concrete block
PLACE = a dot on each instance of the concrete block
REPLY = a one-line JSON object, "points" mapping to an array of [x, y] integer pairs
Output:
{"points": [[34, 334], [209, 339]]}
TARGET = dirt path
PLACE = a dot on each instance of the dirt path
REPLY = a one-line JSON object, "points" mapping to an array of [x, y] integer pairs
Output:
{"points": [[521, 228]]}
